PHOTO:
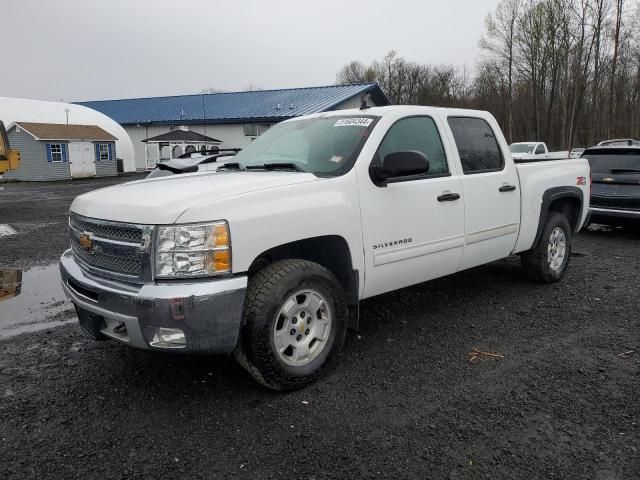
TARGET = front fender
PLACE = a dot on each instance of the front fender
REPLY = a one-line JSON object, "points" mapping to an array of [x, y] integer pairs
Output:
{"points": [[265, 219]]}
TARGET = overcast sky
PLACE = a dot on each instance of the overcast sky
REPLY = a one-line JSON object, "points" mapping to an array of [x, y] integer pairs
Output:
{"points": [[90, 50]]}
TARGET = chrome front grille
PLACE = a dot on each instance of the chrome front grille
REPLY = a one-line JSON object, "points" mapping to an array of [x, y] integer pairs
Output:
{"points": [[111, 263], [108, 231], [120, 251]]}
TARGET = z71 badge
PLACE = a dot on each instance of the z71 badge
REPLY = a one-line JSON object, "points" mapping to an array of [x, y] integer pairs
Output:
{"points": [[377, 246]]}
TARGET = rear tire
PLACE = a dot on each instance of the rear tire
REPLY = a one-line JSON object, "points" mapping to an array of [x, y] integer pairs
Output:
{"points": [[548, 260], [294, 323]]}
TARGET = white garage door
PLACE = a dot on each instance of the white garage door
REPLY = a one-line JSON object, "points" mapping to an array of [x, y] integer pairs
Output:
{"points": [[82, 160]]}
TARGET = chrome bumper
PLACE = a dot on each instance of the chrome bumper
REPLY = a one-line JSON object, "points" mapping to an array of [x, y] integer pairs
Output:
{"points": [[207, 311], [615, 212]]}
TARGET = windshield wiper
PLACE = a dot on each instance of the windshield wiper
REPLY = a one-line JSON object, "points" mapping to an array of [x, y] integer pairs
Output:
{"points": [[230, 166], [624, 170], [276, 166]]}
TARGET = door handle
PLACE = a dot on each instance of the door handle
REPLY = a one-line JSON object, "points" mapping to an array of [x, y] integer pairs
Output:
{"points": [[448, 197], [507, 188]]}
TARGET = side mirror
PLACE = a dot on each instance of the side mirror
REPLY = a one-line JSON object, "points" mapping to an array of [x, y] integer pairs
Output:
{"points": [[396, 165]]}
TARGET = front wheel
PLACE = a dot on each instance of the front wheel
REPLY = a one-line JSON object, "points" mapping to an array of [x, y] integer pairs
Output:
{"points": [[294, 323], [548, 260]]}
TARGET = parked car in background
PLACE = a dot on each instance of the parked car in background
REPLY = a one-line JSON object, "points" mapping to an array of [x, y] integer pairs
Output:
{"points": [[269, 256], [193, 162], [532, 151], [615, 190], [620, 142], [576, 153]]}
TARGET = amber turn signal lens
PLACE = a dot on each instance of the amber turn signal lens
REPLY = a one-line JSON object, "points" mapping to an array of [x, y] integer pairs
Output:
{"points": [[221, 234], [220, 261]]}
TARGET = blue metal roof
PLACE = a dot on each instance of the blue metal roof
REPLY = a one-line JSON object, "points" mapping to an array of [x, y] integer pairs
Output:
{"points": [[259, 105]]}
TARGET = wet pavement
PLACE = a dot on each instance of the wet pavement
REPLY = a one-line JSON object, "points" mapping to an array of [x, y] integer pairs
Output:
{"points": [[559, 400], [32, 300]]}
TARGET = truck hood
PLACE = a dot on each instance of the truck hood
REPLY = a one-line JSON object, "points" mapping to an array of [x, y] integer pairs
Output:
{"points": [[162, 200]]}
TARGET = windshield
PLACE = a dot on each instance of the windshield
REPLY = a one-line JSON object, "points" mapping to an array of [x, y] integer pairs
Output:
{"points": [[321, 145], [522, 147], [613, 161]]}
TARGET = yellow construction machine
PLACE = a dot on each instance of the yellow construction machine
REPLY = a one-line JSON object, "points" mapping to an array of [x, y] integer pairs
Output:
{"points": [[9, 159]]}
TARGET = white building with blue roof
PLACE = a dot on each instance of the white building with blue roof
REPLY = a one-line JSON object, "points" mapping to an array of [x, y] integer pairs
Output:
{"points": [[232, 119]]}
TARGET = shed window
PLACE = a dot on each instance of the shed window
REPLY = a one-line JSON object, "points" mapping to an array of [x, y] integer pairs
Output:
{"points": [[56, 152], [104, 151]]}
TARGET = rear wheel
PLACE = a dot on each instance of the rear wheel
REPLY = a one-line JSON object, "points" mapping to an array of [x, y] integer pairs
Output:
{"points": [[548, 260], [294, 323]]}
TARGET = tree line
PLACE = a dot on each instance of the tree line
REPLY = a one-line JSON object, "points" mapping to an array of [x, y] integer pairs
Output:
{"points": [[562, 71]]}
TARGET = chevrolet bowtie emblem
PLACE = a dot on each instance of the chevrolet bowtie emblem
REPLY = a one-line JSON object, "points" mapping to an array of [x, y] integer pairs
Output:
{"points": [[607, 179], [85, 241]]}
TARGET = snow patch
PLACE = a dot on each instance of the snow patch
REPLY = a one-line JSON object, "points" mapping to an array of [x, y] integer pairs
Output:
{"points": [[6, 230]]}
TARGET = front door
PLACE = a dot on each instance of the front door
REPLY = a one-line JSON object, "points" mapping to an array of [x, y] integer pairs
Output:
{"points": [[491, 192], [82, 160], [413, 229]]}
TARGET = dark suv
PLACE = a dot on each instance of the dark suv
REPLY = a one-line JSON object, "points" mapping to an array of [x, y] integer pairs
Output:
{"points": [[615, 194]]}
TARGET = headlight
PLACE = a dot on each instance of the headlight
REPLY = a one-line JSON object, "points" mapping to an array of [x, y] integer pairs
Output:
{"points": [[193, 250]]}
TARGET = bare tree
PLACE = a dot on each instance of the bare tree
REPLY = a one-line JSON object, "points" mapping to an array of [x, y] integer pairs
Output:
{"points": [[499, 40], [614, 64], [562, 71]]}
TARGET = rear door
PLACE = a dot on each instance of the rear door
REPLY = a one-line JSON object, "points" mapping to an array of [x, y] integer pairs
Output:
{"points": [[490, 188], [413, 229]]}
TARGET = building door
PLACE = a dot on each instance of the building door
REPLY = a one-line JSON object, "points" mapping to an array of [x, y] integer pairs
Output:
{"points": [[82, 161]]}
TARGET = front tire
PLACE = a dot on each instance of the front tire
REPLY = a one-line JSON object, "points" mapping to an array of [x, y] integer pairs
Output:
{"points": [[294, 323], [548, 260]]}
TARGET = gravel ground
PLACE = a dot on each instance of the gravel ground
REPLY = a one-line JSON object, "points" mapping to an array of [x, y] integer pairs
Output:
{"points": [[404, 400], [41, 210]]}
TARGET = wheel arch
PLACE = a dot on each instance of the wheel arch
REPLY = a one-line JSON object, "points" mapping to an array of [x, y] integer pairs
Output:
{"points": [[568, 200], [330, 251]]}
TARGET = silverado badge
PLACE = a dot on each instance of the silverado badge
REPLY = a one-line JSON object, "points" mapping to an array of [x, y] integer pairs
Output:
{"points": [[85, 241]]}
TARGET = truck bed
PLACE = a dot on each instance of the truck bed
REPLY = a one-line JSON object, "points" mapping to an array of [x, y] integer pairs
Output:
{"points": [[539, 176]]}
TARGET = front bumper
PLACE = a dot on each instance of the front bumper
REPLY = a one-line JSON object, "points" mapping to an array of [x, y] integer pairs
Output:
{"points": [[207, 311]]}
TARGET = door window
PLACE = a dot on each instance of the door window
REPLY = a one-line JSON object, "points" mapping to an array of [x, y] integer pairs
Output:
{"points": [[477, 145], [416, 133]]}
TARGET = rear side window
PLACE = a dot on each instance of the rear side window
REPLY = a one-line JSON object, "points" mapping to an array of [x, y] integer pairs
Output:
{"points": [[539, 150], [477, 145], [416, 133]]}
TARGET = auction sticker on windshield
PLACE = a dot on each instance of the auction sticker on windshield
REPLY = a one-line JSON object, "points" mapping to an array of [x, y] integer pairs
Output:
{"points": [[353, 122]]}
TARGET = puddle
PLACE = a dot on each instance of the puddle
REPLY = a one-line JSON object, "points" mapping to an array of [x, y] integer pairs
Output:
{"points": [[32, 300]]}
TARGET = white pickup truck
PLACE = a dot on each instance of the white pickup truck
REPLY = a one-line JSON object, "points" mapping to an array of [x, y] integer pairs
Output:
{"points": [[269, 256], [535, 151]]}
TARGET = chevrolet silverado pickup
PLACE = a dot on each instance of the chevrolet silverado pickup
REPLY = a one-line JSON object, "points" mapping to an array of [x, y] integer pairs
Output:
{"points": [[269, 256], [532, 151]]}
